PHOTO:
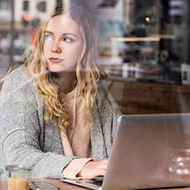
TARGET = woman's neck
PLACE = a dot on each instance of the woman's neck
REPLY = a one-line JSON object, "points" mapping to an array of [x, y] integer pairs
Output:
{"points": [[68, 81]]}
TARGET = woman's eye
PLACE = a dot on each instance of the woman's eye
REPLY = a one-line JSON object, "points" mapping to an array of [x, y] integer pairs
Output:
{"points": [[67, 39], [48, 37]]}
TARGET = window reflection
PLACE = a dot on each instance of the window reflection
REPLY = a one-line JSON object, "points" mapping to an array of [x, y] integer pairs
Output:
{"points": [[138, 40]]}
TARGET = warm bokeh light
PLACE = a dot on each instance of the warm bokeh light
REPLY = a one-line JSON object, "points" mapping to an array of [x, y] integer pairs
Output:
{"points": [[147, 19], [26, 17]]}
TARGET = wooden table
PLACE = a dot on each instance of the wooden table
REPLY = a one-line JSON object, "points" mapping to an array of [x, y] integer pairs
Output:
{"points": [[61, 185], [65, 186]]}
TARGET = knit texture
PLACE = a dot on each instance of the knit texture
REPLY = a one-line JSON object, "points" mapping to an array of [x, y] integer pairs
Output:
{"points": [[24, 139]]}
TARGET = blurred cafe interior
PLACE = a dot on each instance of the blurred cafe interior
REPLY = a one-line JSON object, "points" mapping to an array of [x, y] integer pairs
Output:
{"points": [[143, 46], [147, 58]]}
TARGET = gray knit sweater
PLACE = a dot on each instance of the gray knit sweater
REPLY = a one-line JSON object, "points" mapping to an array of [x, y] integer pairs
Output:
{"points": [[24, 139]]}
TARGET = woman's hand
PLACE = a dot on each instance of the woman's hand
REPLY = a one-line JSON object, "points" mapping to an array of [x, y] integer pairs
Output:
{"points": [[93, 169]]}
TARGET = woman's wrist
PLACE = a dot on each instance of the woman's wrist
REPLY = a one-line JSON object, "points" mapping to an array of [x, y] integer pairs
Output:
{"points": [[72, 170]]}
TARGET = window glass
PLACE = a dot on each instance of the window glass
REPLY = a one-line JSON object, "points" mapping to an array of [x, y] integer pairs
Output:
{"points": [[4, 4], [25, 5], [139, 41], [41, 6]]}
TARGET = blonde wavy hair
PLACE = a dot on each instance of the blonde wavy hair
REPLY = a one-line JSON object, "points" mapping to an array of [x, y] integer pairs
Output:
{"points": [[87, 71]]}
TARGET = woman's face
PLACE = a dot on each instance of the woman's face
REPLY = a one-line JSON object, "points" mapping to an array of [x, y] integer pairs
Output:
{"points": [[63, 44]]}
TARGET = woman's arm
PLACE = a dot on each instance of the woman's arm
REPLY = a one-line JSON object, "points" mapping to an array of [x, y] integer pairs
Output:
{"points": [[21, 129]]}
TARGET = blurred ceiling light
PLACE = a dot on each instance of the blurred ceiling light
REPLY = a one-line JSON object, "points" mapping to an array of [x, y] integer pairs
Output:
{"points": [[147, 19]]}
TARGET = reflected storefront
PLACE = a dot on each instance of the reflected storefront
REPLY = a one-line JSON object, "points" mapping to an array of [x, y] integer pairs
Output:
{"points": [[149, 63], [155, 38], [143, 46]]}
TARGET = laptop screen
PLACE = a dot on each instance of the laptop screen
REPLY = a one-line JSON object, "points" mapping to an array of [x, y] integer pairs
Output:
{"points": [[143, 149]]}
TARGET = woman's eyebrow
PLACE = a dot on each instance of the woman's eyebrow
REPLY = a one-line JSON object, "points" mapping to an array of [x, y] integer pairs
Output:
{"points": [[64, 34], [46, 31], [69, 33]]}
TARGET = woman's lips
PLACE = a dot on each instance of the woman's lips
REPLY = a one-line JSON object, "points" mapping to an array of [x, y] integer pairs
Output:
{"points": [[55, 60]]}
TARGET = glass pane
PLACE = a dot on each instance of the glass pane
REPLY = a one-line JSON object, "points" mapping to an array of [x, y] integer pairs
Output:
{"points": [[25, 5]]}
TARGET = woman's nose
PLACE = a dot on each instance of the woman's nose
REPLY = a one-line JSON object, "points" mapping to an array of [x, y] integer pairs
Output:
{"points": [[56, 48]]}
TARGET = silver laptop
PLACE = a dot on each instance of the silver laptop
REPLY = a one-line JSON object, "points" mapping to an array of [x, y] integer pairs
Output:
{"points": [[147, 153]]}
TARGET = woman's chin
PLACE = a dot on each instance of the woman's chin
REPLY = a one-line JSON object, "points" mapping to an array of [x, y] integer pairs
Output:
{"points": [[56, 70]]}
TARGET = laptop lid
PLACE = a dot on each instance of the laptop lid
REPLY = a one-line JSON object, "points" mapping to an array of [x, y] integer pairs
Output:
{"points": [[146, 152]]}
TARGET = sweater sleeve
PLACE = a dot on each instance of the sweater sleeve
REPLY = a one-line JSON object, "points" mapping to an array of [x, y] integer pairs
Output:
{"points": [[20, 130], [71, 171]]}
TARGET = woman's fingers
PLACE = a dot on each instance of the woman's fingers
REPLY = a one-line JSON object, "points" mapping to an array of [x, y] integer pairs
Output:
{"points": [[93, 169]]}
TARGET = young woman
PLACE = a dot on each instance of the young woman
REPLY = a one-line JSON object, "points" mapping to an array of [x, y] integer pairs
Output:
{"points": [[55, 114]]}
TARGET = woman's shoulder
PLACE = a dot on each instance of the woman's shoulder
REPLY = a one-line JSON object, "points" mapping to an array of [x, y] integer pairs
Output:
{"points": [[19, 72], [102, 88], [17, 79], [104, 93], [18, 75]]}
